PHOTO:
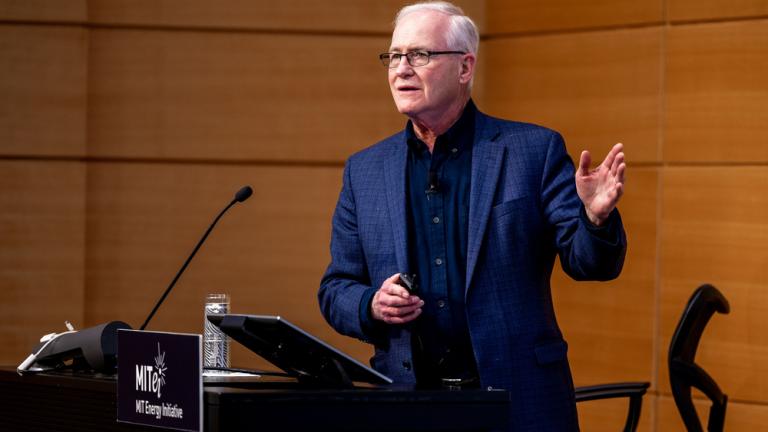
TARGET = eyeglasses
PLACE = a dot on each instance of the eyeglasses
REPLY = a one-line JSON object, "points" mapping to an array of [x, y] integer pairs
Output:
{"points": [[414, 58]]}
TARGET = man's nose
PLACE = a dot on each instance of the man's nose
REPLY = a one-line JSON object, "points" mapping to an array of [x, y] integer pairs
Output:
{"points": [[403, 68]]}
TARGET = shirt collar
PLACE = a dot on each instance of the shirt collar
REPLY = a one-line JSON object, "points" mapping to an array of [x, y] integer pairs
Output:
{"points": [[458, 136]]}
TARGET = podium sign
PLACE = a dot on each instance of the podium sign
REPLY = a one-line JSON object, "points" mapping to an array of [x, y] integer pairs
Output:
{"points": [[159, 379]]}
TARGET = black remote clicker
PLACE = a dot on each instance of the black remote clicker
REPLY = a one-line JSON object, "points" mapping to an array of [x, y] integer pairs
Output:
{"points": [[408, 282]]}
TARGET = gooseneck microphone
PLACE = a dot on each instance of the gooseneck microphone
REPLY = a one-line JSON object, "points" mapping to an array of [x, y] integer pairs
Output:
{"points": [[243, 194]]}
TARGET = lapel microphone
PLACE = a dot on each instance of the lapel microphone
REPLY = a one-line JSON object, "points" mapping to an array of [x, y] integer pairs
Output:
{"points": [[434, 183]]}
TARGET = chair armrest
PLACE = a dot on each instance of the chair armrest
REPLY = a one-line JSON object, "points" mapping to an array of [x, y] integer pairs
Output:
{"points": [[613, 390]]}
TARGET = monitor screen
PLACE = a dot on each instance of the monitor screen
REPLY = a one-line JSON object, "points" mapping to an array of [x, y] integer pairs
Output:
{"points": [[295, 351]]}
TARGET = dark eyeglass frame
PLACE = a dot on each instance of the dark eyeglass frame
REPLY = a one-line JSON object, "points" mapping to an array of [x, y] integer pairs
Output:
{"points": [[390, 58]]}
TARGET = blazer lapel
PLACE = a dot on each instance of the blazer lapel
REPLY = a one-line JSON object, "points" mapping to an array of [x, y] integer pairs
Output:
{"points": [[487, 157], [394, 174]]}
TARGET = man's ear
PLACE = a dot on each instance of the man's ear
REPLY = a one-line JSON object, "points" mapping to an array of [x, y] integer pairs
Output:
{"points": [[467, 68]]}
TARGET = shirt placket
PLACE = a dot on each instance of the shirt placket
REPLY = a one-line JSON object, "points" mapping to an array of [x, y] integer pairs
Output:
{"points": [[437, 240]]}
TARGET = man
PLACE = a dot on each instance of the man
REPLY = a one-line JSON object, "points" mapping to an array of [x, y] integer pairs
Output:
{"points": [[477, 208]]}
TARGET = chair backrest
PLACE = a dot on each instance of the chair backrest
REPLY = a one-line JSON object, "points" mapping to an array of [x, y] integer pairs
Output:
{"points": [[684, 373]]}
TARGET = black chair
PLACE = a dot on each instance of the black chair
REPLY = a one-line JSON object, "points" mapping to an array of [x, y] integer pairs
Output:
{"points": [[684, 373], [634, 391]]}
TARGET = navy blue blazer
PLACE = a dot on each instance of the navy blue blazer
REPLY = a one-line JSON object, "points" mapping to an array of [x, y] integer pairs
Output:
{"points": [[523, 211]]}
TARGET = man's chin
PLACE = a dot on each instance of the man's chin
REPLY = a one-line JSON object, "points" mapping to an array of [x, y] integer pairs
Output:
{"points": [[406, 109]]}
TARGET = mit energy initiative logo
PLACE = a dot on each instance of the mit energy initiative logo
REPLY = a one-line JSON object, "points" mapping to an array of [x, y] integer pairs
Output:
{"points": [[159, 377], [151, 379]]}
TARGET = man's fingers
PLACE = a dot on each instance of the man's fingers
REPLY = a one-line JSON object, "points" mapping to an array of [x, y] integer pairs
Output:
{"points": [[393, 301], [397, 301], [391, 280], [617, 161], [394, 312], [403, 319], [620, 172], [396, 291], [391, 287], [584, 161], [615, 150], [393, 305]]}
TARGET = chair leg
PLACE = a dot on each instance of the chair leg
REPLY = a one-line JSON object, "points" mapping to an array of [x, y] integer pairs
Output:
{"points": [[717, 416], [684, 402], [633, 414]]}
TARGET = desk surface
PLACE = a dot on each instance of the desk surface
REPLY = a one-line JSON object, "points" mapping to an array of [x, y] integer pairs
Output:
{"points": [[82, 402]]}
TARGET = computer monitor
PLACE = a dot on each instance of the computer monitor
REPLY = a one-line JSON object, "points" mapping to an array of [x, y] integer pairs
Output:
{"points": [[295, 351]]}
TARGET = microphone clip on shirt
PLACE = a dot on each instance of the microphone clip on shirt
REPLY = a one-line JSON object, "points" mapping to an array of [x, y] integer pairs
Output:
{"points": [[434, 183]]}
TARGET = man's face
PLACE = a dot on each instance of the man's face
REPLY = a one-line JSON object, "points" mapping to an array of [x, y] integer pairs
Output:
{"points": [[425, 92]]}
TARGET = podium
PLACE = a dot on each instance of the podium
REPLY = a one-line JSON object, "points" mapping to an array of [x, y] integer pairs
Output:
{"points": [[66, 401]]}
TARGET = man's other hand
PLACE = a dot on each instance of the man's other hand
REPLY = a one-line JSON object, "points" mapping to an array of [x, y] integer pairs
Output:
{"points": [[601, 188], [393, 304]]}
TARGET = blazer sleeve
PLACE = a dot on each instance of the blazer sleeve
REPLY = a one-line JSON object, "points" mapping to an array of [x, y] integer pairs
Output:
{"points": [[586, 252], [346, 282]]}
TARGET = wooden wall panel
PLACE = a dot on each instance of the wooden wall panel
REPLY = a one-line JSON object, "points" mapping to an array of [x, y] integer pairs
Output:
{"points": [[43, 10], [42, 236], [715, 230], [688, 10], [332, 15], [269, 252], [717, 91], [739, 416], [237, 96], [597, 89], [610, 415], [609, 325], [43, 88], [515, 16]]}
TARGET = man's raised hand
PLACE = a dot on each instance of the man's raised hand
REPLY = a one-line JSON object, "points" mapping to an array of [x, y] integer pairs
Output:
{"points": [[600, 188]]}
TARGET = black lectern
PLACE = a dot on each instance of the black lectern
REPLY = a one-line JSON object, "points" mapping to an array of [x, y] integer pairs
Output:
{"points": [[319, 393], [70, 401]]}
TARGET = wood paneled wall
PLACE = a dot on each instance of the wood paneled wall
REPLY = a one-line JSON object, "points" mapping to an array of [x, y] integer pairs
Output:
{"points": [[126, 125], [683, 85], [43, 94]]}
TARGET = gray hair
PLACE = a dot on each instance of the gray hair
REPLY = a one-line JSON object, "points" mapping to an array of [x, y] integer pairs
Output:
{"points": [[462, 33]]}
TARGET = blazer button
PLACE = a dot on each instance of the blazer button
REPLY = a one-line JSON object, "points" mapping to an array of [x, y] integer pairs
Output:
{"points": [[407, 365]]}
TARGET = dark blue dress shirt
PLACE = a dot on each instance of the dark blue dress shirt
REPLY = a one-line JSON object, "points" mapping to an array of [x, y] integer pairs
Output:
{"points": [[438, 185]]}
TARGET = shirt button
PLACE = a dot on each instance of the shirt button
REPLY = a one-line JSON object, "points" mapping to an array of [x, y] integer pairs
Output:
{"points": [[454, 150], [438, 261], [407, 365], [435, 219], [441, 304]]}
